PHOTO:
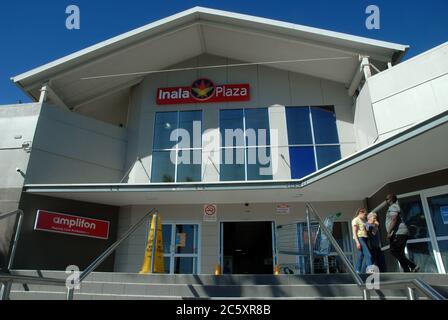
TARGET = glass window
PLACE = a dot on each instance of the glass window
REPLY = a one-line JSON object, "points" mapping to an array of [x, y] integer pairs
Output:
{"points": [[189, 167], [232, 120], [245, 153], [299, 127], [414, 217], [302, 161], [258, 164], [257, 127], [163, 169], [443, 247], [313, 139], [423, 255], [327, 155], [341, 233], [418, 247], [166, 264], [179, 160], [324, 125], [420, 252], [438, 206], [232, 164], [165, 124], [184, 265], [187, 121], [189, 233], [439, 213], [166, 237]]}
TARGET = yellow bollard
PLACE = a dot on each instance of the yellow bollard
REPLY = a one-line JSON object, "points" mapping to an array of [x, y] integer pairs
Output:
{"points": [[276, 270], [217, 270]]}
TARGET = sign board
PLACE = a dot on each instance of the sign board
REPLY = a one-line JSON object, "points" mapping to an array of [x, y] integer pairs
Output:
{"points": [[70, 224], [203, 91], [283, 209], [210, 212], [444, 214]]}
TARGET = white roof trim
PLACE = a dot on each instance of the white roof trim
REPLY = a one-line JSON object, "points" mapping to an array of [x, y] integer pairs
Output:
{"points": [[194, 14]]}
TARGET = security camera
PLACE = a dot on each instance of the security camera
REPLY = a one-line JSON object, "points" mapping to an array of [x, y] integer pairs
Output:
{"points": [[246, 204], [18, 170]]}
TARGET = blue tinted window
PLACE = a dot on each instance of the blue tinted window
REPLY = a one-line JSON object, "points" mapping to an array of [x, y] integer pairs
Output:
{"points": [[302, 161], [189, 166], [184, 265], [162, 167], [166, 236], [326, 155], [187, 119], [259, 163], [299, 127], [165, 124], [257, 127], [232, 120], [232, 164], [324, 124], [190, 162]]}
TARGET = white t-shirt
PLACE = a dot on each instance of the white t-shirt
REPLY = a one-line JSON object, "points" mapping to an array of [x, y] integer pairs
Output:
{"points": [[393, 211]]}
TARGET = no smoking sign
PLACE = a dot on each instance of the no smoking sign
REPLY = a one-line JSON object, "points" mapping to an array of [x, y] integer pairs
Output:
{"points": [[210, 212]]}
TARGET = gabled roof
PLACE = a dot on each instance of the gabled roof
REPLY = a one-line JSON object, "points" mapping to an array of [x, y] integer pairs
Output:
{"points": [[196, 31]]}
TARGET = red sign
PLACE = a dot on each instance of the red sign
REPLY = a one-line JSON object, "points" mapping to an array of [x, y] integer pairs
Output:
{"points": [[69, 224], [203, 91]]}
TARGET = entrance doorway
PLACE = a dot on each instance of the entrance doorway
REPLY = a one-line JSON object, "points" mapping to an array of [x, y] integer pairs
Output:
{"points": [[181, 248], [246, 247]]}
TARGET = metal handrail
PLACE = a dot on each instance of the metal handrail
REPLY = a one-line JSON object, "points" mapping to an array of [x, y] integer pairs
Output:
{"points": [[107, 253], [421, 285], [409, 284], [5, 277]]}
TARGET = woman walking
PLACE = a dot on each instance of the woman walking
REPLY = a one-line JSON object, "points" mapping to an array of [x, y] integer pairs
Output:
{"points": [[361, 239]]}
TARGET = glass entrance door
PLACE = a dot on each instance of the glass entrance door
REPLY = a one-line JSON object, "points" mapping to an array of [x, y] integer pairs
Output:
{"points": [[181, 248]]}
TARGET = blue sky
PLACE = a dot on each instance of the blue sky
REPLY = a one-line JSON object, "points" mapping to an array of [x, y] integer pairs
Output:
{"points": [[33, 33]]}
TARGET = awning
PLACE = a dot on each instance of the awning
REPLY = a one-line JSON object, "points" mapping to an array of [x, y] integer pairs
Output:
{"points": [[418, 150]]}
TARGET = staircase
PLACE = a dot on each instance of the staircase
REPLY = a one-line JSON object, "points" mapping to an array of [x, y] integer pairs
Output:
{"points": [[125, 286]]}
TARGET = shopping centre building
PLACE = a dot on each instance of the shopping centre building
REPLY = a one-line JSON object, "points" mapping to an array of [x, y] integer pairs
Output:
{"points": [[319, 117]]}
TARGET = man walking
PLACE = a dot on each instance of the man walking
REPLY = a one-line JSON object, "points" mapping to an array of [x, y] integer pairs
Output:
{"points": [[398, 233]]}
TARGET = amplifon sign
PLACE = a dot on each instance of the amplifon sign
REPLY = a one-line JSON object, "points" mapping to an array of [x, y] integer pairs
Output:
{"points": [[73, 225], [203, 91]]}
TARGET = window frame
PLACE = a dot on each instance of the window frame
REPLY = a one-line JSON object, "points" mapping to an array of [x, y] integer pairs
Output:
{"points": [[314, 145], [246, 146], [177, 149]]}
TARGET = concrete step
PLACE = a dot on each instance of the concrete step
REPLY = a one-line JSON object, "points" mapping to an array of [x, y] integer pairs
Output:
{"points": [[42, 295], [214, 291], [433, 279], [134, 286]]}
